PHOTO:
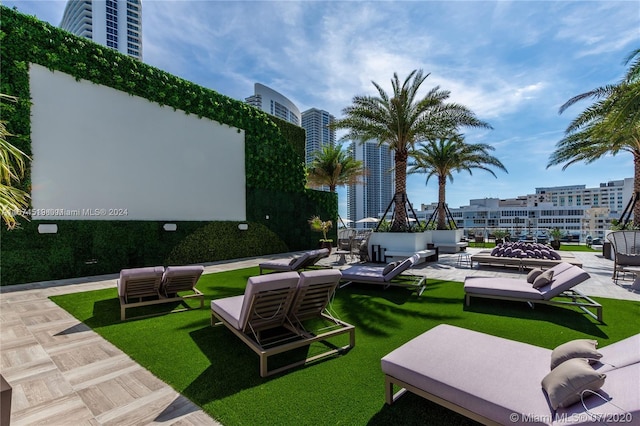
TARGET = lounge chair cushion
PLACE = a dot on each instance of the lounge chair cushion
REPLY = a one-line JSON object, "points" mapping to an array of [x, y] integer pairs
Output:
{"points": [[580, 348], [389, 267], [620, 354], [498, 286], [564, 384], [533, 274], [565, 277], [362, 273], [488, 375], [401, 267], [543, 279], [235, 309]]}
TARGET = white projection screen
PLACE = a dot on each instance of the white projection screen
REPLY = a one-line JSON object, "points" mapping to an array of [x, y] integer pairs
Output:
{"points": [[101, 154]]}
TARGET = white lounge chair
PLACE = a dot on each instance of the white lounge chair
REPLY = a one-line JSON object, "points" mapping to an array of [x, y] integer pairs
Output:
{"points": [[497, 381], [389, 275], [559, 291]]}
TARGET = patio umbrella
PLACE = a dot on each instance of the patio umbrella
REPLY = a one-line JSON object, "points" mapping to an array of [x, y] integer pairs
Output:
{"points": [[368, 220]]}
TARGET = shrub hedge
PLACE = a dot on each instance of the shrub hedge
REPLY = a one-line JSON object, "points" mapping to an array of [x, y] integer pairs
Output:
{"points": [[274, 164]]}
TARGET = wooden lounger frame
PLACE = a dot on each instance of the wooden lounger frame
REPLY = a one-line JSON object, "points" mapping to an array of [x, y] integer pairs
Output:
{"points": [[578, 299], [265, 307]]}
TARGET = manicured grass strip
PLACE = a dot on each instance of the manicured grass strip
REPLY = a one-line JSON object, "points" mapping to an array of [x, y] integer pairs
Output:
{"points": [[214, 369]]}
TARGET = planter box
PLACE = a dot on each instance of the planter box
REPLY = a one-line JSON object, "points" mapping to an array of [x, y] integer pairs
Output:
{"points": [[398, 242], [448, 241]]}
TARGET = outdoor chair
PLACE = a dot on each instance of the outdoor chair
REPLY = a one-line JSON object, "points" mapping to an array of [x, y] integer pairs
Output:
{"points": [[389, 275], [269, 316], [306, 260], [345, 237], [497, 381], [558, 290], [156, 285], [626, 249]]}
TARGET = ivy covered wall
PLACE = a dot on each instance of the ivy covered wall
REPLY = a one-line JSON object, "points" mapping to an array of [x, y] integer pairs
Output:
{"points": [[274, 149]]}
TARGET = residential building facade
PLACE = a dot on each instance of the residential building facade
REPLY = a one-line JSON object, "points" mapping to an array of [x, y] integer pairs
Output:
{"points": [[371, 198], [274, 103], [318, 134], [113, 23], [576, 210]]}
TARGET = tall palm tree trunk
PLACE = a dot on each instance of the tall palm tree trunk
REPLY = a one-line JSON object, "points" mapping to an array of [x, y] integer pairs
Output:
{"points": [[400, 216], [442, 184], [636, 187]]}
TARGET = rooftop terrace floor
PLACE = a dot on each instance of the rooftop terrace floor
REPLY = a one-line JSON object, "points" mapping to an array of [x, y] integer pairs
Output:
{"points": [[62, 372]]}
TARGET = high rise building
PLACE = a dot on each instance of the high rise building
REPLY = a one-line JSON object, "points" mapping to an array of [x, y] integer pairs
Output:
{"points": [[113, 23], [316, 123], [576, 210], [274, 103], [371, 198]]}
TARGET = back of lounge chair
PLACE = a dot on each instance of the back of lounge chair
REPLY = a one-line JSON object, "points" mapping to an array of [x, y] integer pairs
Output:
{"points": [[315, 290], [401, 267], [626, 248], [180, 278], [313, 258], [157, 285], [138, 283], [306, 260], [265, 303]]}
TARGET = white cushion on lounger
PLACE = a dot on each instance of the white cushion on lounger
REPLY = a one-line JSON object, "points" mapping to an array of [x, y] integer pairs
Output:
{"points": [[488, 375], [619, 354], [497, 286]]}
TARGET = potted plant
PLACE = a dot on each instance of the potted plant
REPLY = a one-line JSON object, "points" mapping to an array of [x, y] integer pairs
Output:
{"points": [[319, 225], [556, 234], [499, 235]]}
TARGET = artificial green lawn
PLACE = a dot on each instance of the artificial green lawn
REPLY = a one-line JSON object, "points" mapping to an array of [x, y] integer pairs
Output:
{"points": [[214, 369]]}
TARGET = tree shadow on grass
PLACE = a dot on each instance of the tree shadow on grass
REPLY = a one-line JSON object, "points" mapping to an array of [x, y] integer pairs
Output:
{"points": [[569, 317], [410, 410], [235, 367], [379, 312]]}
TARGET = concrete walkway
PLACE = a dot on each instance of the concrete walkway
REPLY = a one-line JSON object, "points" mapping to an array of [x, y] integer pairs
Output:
{"points": [[63, 373]]}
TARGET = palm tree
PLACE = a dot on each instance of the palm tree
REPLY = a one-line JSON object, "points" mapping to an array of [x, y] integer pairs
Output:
{"points": [[400, 120], [13, 201], [332, 166], [441, 156], [610, 126]]}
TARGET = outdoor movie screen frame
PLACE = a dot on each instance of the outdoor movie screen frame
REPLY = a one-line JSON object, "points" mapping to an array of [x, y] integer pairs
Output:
{"points": [[102, 154]]}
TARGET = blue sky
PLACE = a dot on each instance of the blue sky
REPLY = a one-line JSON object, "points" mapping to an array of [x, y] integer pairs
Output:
{"points": [[512, 62]]}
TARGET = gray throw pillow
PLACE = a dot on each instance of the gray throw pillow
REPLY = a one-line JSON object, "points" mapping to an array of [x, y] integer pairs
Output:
{"points": [[294, 260], [543, 279], [564, 385], [580, 348], [533, 274]]}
